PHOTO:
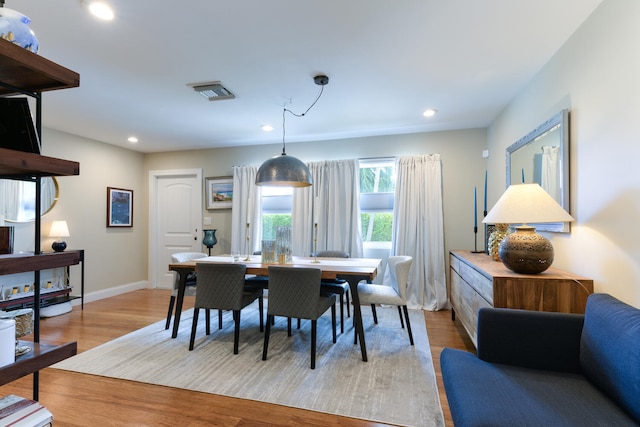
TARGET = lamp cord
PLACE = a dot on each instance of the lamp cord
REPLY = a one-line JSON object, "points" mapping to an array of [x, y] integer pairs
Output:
{"points": [[285, 110]]}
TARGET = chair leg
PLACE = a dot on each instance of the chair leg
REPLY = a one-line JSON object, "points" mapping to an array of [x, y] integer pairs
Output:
{"points": [[346, 296], [172, 301], [341, 313], [406, 316], [219, 319], [194, 325], [288, 326], [375, 316], [267, 330], [314, 323], [333, 322], [261, 310], [236, 331], [207, 316], [400, 313], [298, 323]]}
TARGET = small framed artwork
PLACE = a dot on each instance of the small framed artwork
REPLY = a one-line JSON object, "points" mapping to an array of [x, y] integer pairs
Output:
{"points": [[119, 207], [219, 192]]}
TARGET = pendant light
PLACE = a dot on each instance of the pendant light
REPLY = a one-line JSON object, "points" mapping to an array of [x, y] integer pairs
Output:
{"points": [[284, 170]]}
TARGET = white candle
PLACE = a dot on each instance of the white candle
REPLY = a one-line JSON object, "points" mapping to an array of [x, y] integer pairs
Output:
{"points": [[249, 210]]}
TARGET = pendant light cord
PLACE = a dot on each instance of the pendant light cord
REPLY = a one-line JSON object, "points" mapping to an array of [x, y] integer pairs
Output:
{"points": [[285, 110]]}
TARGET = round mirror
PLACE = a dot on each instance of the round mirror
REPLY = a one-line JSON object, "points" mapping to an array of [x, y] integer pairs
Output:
{"points": [[18, 198]]}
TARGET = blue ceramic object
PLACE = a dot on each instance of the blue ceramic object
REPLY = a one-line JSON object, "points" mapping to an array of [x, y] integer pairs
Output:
{"points": [[210, 239], [14, 27]]}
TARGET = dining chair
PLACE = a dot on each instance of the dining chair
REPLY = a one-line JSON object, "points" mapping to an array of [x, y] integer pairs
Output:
{"points": [[190, 288], [393, 292], [295, 293], [337, 286], [221, 287]]}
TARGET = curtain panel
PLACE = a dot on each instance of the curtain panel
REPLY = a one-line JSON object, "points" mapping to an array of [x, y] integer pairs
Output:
{"points": [[246, 211], [418, 229]]}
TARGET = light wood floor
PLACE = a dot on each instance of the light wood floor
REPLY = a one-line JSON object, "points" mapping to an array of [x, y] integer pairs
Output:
{"points": [[86, 400]]}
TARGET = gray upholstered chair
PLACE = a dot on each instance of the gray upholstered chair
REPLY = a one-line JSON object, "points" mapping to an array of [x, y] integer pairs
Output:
{"points": [[190, 290], [295, 292], [222, 287], [393, 292], [337, 286]]}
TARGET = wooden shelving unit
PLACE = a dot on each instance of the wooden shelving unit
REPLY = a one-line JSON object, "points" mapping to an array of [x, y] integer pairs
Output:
{"points": [[25, 73]]}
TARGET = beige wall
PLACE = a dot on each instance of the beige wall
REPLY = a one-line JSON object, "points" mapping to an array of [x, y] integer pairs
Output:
{"points": [[595, 75], [114, 257]]}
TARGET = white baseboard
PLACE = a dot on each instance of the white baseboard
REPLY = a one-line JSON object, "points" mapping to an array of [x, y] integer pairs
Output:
{"points": [[106, 293]]}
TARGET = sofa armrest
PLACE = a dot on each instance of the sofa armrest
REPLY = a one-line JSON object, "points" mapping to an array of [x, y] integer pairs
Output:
{"points": [[530, 339]]}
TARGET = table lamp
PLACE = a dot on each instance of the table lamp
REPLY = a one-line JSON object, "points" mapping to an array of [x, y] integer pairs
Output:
{"points": [[525, 251], [58, 230]]}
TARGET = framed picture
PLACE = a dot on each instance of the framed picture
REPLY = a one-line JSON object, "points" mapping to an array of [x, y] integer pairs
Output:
{"points": [[219, 192], [119, 207]]}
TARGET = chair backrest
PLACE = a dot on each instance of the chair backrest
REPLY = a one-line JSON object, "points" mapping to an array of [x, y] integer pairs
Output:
{"points": [[183, 257], [187, 256], [220, 285], [333, 254], [294, 292], [399, 266]]}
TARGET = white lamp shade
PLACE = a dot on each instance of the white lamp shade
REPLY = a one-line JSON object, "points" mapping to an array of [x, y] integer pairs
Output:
{"points": [[59, 229], [526, 204]]}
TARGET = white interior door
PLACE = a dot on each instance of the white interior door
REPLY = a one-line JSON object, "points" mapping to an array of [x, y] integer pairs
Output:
{"points": [[175, 220]]}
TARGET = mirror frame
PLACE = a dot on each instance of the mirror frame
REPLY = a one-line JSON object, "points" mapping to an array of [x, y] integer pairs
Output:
{"points": [[56, 186], [560, 119]]}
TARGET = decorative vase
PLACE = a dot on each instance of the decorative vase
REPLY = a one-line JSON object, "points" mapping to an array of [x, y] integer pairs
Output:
{"points": [[14, 27], [209, 239], [495, 238]]}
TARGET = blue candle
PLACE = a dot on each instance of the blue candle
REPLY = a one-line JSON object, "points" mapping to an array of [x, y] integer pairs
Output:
{"points": [[475, 209], [485, 192]]}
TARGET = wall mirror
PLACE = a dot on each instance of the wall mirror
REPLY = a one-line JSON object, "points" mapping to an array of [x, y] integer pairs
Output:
{"points": [[542, 157], [18, 198]]}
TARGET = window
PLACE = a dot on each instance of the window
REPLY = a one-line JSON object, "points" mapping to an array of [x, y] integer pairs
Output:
{"points": [[377, 188], [276, 210]]}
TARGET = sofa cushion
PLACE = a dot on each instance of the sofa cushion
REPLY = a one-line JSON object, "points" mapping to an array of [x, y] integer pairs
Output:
{"points": [[491, 394], [610, 350]]}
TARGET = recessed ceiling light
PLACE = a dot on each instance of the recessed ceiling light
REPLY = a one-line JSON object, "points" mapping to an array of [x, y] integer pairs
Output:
{"points": [[100, 10], [429, 112], [132, 139], [266, 128]]}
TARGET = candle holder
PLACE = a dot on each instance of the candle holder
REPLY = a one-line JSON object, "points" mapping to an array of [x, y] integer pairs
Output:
{"points": [[248, 258], [315, 244]]}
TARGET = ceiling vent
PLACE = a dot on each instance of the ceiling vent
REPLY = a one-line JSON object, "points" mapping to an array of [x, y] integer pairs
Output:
{"points": [[213, 91]]}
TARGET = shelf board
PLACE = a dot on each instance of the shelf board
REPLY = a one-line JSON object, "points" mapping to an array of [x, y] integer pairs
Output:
{"points": [[20, 164], [20, 263], [40, 357], [28, 71]]}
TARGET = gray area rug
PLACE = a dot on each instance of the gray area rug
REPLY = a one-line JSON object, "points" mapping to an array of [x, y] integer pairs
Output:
{"points": [[396, 386]]}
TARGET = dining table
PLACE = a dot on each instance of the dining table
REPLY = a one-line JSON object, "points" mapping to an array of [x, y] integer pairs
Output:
{"points": [[353, 270]]}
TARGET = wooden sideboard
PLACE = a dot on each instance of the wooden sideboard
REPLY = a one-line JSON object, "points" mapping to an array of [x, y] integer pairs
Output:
{"points": [[477, 281]]}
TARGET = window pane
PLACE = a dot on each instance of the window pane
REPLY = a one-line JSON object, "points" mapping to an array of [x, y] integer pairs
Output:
{"points": [[377, 227], [271, 221]]}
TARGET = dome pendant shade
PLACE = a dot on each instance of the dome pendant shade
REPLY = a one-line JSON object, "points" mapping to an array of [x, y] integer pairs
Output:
{"points": [[283, 171]]}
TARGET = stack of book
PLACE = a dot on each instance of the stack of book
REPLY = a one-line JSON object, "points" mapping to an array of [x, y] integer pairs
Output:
{"points": [[16, 411]]}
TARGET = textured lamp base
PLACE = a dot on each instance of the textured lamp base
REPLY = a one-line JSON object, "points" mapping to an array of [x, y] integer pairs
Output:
{"points": [[526, 252], [59, 246]]}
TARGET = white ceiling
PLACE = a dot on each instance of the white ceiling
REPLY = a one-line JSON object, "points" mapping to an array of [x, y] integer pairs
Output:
{"points": [[387, 61]]}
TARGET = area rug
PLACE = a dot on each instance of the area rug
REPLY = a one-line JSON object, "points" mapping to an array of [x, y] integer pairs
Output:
{"points": [[396, 386]]}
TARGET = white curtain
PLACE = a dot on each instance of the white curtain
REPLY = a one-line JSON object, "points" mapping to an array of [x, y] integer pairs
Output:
{"points": [[10, 198], [550, 176], [334, 204], [246, 211], [418, 229]]}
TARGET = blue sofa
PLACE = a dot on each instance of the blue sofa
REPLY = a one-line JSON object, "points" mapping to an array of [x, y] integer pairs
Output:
{"points": [[549, 369]]}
